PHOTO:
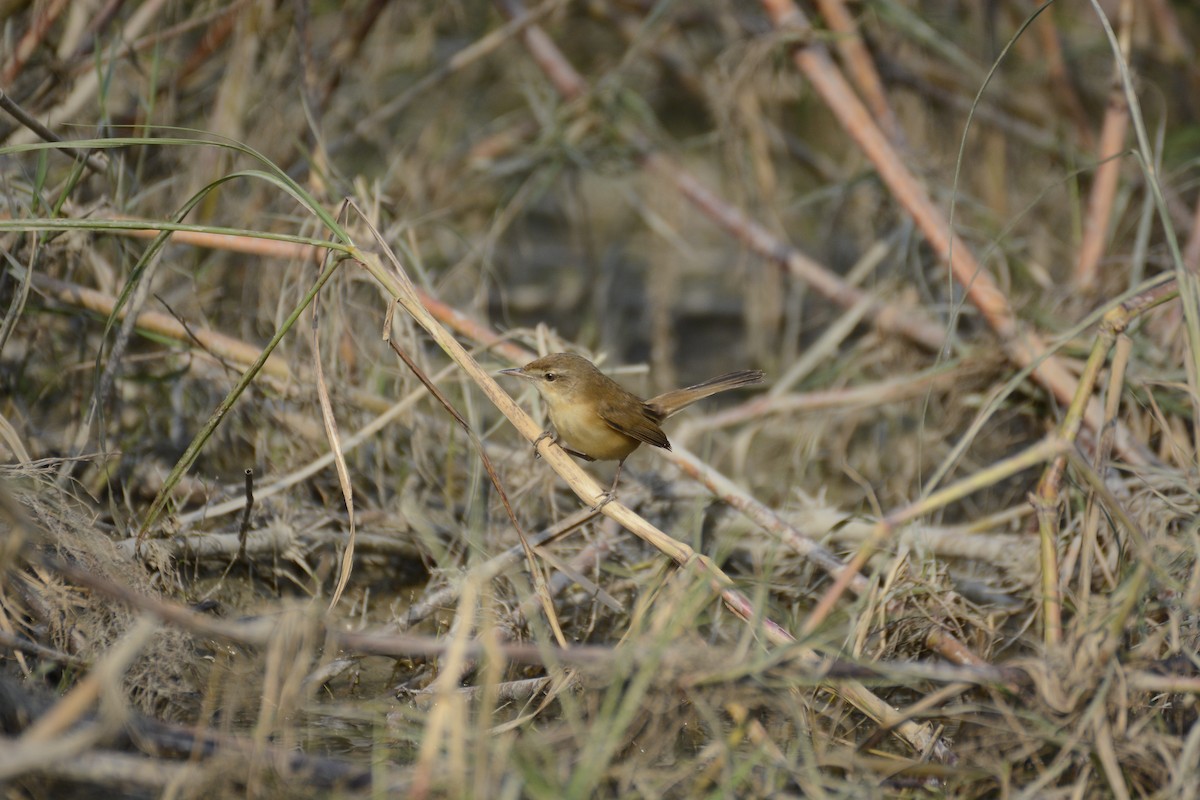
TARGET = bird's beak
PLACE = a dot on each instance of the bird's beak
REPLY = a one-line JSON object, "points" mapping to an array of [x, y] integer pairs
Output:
{"points": [[515, 371]]}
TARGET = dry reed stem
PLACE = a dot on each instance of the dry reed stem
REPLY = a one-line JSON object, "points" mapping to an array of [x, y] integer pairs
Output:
{"points": [[852, 398], [124, 773], [400, 287], [858, 695], [766, 518], [11, 439], [1057, 747], [449, 714], [264, 632], [274, 248], [535, 571], [299, 474], [218, 25], [492, 568], [1036, 454], [860, 65], [220, 346], [1012, 124], [1046, 496], [1112, 143], [88, 83], [260, 633], [34, 35], [1166, 327], [329, 421], [1061, 83], [771, 522], [1112, 401], [888, 317], [97, 162], [369, 125], [1188, 284], [267, 247], [1115, 733], [1022, 345], [566, 575]]}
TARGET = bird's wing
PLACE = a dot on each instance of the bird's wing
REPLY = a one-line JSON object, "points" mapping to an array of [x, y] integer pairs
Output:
{"points": [[641, 424]]}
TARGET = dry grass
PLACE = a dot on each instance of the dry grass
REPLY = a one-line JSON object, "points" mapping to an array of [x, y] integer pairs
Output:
{"points": [[948, 552]]}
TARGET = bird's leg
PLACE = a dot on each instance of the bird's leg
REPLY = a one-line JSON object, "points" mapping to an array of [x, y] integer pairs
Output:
{"points": [[611, 494], [548, 435]]}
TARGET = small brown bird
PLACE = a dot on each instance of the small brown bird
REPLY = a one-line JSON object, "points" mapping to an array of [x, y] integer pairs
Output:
{"points": [[598, 420]]}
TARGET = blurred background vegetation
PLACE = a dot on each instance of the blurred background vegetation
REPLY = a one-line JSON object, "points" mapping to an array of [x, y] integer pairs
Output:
{"points": [[540, 213]]}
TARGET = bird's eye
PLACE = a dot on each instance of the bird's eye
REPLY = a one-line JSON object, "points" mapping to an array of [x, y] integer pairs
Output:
{"points": [[550, 376]]}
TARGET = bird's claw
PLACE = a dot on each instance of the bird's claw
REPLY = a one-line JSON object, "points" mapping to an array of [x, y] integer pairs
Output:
{"points": [[605, 499], [538, 440]]}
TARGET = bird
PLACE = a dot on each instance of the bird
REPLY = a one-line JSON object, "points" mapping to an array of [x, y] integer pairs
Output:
{"points": [[597, 419]]}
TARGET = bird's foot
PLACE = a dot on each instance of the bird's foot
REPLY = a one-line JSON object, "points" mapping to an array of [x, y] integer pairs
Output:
{"points": [[558, 441], [538, 440], [604, 499], [611, 494]]}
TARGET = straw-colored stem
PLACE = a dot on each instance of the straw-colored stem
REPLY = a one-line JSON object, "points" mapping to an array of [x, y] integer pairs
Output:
{"points": [[1043, 450]]}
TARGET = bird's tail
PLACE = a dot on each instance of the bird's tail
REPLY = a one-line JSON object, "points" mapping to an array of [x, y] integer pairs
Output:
{"points": [[668, 403]]}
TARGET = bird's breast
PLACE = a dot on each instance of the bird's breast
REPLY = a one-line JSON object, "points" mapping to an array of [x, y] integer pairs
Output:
{"points": [[585, 431]]}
